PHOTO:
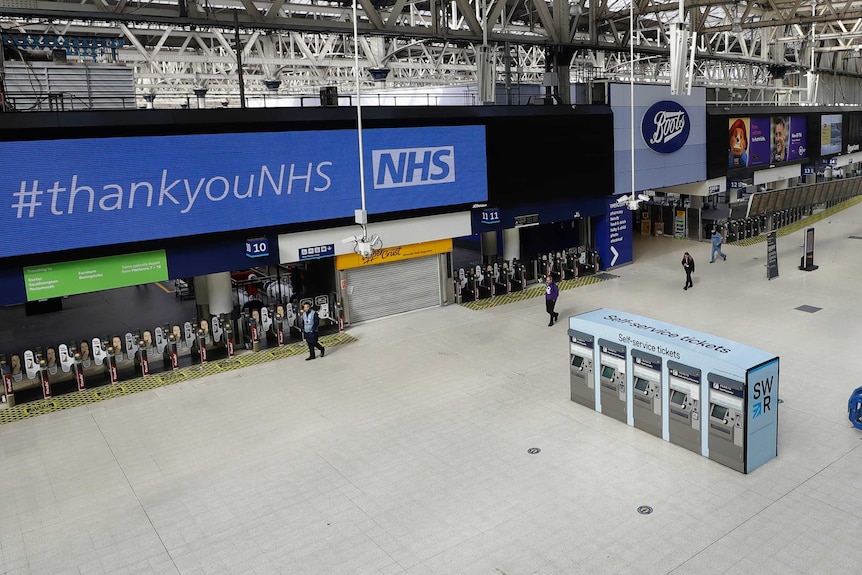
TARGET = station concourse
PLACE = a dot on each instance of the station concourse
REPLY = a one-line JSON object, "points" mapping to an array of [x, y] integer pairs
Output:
{"points": [[407, 451]]}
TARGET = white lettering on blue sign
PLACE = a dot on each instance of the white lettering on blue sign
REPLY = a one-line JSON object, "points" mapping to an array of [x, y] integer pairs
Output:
{"points": [[413, 167], [257, 248], [665, 127], [315, 252], [89, 191]]}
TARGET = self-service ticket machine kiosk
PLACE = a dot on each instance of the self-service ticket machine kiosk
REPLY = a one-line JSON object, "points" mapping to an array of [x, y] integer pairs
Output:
{"points": [[612, 375], [646, 392], [684, 405], [726, 421], [583, 382], [710, 395]]}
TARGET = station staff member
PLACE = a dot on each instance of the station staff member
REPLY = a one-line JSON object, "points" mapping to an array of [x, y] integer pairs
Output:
{"points": [[310, 325], [552, 292]]}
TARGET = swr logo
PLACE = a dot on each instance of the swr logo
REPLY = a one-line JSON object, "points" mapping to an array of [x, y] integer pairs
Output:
{"points": [[413, 167]]}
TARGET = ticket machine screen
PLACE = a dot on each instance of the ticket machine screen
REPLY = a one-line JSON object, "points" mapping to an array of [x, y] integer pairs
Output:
{"points": [[607, 372], [641, 384], [677, 397], [718, 411], [577, 361]]}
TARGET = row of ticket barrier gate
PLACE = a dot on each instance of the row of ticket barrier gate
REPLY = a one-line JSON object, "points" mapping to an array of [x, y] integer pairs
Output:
{"points": [[737, 230], [109, 360], [504, 277]]}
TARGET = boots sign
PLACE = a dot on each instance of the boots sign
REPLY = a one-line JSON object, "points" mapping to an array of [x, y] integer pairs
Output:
{"points": [[665, 127]]}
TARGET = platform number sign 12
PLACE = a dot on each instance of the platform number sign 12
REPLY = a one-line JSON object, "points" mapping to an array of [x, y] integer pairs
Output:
{"points": [[257, 247]]}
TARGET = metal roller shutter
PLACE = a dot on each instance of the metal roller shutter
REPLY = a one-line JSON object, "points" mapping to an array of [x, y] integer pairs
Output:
{"points": [[387, 289]]}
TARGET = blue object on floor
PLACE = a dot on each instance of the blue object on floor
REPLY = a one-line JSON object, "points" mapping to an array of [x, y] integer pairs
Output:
{"points": [[854, 408]]}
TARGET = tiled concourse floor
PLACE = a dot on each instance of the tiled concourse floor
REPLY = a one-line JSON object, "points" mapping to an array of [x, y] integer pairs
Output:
{"points": [[407, 451]]}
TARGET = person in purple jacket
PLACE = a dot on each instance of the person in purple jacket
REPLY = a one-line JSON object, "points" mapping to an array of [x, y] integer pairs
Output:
{"points": [[552, 292]]}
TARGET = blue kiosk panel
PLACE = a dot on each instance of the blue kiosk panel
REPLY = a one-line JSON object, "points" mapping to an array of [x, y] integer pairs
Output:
{"points": [[727, 391]]}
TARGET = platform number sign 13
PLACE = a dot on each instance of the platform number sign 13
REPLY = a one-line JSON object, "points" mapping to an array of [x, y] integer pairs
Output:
{"points": [[257, 247]]}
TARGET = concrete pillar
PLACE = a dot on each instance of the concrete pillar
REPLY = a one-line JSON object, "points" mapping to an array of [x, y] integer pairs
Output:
{"points": [[219, 293], [489, 245], [512, 244]]}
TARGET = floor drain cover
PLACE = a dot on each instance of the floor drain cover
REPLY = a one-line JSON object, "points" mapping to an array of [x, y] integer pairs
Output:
{"points": [[644, 509], [808, 308], [533, 450]]}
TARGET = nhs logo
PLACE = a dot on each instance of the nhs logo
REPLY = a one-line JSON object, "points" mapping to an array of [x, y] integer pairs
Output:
{"points": [[403, 167]]}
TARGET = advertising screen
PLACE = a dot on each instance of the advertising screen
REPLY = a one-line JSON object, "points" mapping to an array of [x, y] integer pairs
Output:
{"points": [[763, 141], [84, 276], [78, 193], [853, 132], [830, 134]]}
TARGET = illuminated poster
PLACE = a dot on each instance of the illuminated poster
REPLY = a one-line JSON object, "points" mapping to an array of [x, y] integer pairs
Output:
{"points": [[830, 134], [759, 137], [797, 128], [738, 145], [763, 141]]}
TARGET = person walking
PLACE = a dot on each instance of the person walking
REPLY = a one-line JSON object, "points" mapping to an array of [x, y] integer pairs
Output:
{"points": [[688, 266], [716, 245], [552, 292], [310, 325]]}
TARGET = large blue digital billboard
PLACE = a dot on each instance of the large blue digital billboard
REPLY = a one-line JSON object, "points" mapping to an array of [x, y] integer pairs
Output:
{"points": [[66, 194]]}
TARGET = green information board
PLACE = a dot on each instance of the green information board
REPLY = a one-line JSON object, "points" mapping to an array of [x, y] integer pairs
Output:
{"points": [[85, 276]]}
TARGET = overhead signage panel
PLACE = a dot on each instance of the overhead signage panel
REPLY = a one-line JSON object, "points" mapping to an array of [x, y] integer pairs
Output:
{"points": [[85, 276], [88, 192], [764, 141]]}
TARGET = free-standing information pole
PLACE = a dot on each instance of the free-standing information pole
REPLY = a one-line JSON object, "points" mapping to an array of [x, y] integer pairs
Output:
{"points": [[807, 263], [771, 256]]}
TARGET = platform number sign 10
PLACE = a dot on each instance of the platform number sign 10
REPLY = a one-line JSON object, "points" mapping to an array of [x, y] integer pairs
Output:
{"points": [[257, 248]]}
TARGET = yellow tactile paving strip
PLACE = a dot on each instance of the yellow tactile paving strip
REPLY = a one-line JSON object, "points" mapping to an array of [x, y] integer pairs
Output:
{"points": [[535, 291], [244, 359], [801, 224]]}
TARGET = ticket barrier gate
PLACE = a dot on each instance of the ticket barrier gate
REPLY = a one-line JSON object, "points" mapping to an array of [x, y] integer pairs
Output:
{"points": [[542, 267], [726, 438], [646, 392], [684, 411], [583, 381], [612, 377], [502, 280], [558, 268], [465, 285], [572, 263], [484, 282], [588, 262], [732, 231], [519, 276]]}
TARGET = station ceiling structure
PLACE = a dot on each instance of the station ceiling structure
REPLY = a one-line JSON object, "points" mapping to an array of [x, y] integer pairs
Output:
{"points": [[298, 46]]}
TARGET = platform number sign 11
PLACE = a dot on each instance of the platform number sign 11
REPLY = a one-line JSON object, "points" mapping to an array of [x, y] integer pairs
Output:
{"points": [[257, 247]]}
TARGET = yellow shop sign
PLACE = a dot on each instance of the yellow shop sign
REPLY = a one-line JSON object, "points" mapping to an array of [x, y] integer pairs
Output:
{"points": [[394, 254]]}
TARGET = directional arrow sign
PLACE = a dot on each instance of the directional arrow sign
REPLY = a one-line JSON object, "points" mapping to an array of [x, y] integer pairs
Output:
{"points": [[616, 255]]}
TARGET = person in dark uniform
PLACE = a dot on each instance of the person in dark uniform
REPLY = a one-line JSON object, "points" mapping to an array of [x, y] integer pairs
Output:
{"points": [[688, 266], [552, 292], [310, 324]]}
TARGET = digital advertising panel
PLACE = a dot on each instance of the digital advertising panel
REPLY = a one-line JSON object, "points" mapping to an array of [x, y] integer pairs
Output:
{"points": [[763, 141], [853, 132], [97, 274], [89, 192], [830, 134]]}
